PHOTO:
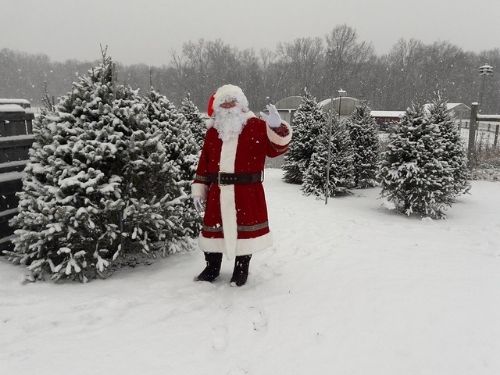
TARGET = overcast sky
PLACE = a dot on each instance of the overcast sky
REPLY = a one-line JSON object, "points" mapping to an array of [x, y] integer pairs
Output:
{"points": [[148, 30]]}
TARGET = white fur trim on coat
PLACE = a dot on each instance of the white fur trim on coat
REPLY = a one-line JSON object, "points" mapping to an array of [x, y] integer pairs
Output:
{"points": [[278, 139], [243, 246], [227, 198]]}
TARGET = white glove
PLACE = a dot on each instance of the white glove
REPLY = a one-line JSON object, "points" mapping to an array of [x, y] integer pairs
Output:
{"points": [[199, 204], [273, 119]]}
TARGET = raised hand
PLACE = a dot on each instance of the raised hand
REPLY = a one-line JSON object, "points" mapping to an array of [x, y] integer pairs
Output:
{"points": [[273, 119]]}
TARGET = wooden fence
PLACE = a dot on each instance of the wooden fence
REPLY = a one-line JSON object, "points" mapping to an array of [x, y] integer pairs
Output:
{"points": [[16, 139], [474, 127], [15, 120]]}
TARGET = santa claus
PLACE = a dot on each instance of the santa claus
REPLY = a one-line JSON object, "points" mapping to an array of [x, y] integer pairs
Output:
{"points": [[228, 181]]}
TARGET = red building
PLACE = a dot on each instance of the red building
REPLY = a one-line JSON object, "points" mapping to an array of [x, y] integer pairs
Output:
{"points": [[385, 119]]}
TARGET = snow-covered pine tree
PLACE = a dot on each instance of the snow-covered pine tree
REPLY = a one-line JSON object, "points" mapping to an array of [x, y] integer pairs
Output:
{"points": [[195, 121], [454, 150], [67, 197], [308, 122], [84, 201], [341, 163], [181, 148], [363, 133], [413, 172], [152, 179]]}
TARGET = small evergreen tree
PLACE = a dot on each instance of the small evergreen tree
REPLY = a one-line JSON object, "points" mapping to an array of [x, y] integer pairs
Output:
{"points": [[194, 119], [341, 164], [414, 173], [454, 150], [308, 122], [363, 133], [98, 182]]}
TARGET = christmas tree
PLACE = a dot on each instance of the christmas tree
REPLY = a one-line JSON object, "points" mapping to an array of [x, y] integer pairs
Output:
{"points": [[364, 138], [180, 146], [341, 174], [454, 150], [194, 120], [414, 172], [99, 183], [308, 122]]}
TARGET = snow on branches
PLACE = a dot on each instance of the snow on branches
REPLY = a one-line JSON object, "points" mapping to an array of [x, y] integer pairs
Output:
{"points": [[107, 175], [424, 167]]}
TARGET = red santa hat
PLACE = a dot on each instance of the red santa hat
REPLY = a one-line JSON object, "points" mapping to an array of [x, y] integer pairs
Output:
{"points": [[210, 109], [227, 93]]}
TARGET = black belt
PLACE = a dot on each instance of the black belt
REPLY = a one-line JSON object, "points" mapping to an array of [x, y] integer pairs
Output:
{"points": [[222, 178]]}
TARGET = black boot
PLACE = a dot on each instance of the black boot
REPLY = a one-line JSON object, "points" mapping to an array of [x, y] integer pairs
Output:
{"points": [[240, 273], [212, 269]]}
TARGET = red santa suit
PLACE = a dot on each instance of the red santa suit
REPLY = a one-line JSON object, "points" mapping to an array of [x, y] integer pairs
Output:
{"points": [[235, 221]]}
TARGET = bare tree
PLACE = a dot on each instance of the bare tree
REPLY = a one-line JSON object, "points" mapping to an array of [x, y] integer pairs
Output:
{"points": [[410, 70], [303, 61], [346, 58]]}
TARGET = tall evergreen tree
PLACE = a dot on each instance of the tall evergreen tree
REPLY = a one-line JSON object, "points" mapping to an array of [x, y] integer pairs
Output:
{"points": [[363, 133], [98, 182], [452, 143], [57, 221], [194, 119], [414, 173], [341, 163], [308, 122]]}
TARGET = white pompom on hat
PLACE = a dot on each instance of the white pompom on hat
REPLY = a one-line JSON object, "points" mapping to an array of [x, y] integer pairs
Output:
{"points": [[229, 93]]}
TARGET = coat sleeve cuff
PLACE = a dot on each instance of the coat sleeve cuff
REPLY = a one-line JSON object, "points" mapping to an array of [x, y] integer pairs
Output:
{"points": [[199, 190], [280, 140]]}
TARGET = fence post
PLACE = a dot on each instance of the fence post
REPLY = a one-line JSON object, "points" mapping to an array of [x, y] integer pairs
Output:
{"points": [[471, 152], [29, 122], [496, 136]]}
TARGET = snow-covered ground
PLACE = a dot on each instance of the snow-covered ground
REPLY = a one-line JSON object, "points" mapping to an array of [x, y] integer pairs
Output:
{"points": [[349, 288]]}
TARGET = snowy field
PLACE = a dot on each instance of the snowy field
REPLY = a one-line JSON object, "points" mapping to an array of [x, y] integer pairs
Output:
{"points": [[349, 288]]}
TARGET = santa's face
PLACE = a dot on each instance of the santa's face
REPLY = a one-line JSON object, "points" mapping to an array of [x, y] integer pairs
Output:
{"points": [[229, 119], [229, 104]]}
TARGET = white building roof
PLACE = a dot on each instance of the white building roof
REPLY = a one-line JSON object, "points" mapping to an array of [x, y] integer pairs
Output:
{"points": [[395, 114], [11, 108], [14, 101], [452, 105], [324, 102], [449, 106]]}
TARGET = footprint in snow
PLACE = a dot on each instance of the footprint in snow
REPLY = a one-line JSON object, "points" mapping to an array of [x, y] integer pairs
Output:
{"points": [[269, 272], [219, 339], [259, 320], [237, 371]]}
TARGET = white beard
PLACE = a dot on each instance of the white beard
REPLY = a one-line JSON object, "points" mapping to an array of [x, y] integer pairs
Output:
{"points": [[229, 122]]}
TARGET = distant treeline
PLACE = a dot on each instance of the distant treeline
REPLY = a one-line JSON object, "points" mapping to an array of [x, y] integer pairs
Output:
{"points": [[411, 70]]}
